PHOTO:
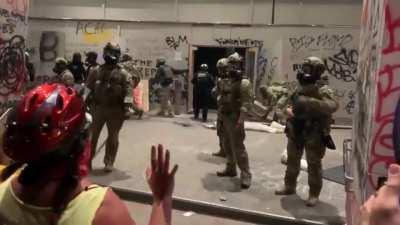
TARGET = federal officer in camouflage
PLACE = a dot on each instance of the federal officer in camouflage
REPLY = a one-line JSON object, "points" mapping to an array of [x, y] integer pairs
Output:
{"points": [[222, 67], [308, 126], [165, 77], [235, 101], [109, 85], [63, 75], [129, 65], [275, 98]]}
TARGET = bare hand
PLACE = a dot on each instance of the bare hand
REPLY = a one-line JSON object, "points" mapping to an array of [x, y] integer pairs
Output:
{"points": [[289, 112], [383, 208], [161, 181]]}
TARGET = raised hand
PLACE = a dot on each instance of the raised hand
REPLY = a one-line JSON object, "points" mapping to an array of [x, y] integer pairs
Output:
{"points": [[159, 177], [384, 208]]}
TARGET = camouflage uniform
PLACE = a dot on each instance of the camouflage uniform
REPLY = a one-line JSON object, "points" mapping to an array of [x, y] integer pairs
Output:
{"points": [[276, 99], [109, 85], [129, 66], [235, 101], [307, 130], [222, 74]]}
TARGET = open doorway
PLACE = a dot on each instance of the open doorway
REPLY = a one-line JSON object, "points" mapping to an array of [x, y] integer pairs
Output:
{"points": [[210, 55]]}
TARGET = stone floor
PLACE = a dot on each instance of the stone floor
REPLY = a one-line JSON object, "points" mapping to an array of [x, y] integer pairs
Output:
{"points": [[191, 147], [141, 215]]}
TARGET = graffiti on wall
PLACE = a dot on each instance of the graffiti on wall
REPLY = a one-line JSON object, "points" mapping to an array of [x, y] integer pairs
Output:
{"points": [[175, 42], [239, 42], [262, 60], [94, 32], [13, 28], [343, 65], [322, 41], [387, 96]]}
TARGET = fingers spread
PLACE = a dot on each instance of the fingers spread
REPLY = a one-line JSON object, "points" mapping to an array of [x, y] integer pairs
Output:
{"points": [[160, 158], [153, 158], [166, 163], [174, 171]]}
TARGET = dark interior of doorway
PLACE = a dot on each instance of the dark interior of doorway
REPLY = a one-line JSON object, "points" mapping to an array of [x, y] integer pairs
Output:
{"points": [[210, 56]]}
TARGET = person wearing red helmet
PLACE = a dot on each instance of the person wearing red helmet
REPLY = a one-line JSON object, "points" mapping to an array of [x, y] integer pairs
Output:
{"points": [[46, 136]]}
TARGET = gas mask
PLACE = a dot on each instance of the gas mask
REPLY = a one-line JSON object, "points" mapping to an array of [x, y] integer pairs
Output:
{"points": [[307, 76], [111, 54]]}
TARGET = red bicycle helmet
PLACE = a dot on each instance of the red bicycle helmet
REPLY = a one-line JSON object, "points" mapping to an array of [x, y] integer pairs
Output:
{"points": [[45, 120]]}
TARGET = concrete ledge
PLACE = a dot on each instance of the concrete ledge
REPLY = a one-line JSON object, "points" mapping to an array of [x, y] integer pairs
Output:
{"points": [[207, 208]]}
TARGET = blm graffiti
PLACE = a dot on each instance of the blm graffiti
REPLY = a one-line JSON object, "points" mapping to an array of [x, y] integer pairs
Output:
{"points": [[175, 42], [343, 65]]}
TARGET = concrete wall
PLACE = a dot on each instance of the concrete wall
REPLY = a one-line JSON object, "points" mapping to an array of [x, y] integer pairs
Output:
{"points": [[343, 12], [168, 27], [280, 48]]}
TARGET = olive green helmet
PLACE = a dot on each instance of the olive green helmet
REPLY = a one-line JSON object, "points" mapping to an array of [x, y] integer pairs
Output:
{"points": [[316, 63]]}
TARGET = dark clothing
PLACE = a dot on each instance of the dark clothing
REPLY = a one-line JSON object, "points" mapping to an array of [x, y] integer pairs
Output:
{"points": [[31, 71], [202, 85], [165, 75], [78, 70]]}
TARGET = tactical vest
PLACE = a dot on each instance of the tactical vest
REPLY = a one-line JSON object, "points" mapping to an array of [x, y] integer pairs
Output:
{"points": [[229, 99], [110, 87], [166, 75]]}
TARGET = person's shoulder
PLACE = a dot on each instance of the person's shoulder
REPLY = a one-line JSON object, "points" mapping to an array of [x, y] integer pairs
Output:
{"points": [[112, 211]]}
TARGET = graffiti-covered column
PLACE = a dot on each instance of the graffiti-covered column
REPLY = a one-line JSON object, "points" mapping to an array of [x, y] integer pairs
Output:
{"points": [[376, 139], [13, 30]]}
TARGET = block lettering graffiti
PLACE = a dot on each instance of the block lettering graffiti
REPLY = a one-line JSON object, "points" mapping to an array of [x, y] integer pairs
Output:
{"points": [[323, 41], [239, 42], [89, 27], [9, 21], [48, 46], [343, 65], [12, 65], [145, 67], [175, 42]]}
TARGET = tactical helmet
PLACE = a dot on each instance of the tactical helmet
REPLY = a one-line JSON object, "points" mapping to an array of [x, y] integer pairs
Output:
{"points": [[61, 61], [111, 53], [235, 58], [46, 120], [161, 61], [222, 63], [316, 63], [204, 67]]}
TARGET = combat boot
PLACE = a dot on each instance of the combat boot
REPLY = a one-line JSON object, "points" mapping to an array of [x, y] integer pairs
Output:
{"points": [[219, 154], [245, 180], [108, 168], [227, 172], [140, 114], [284, 190], [312, 201]]}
